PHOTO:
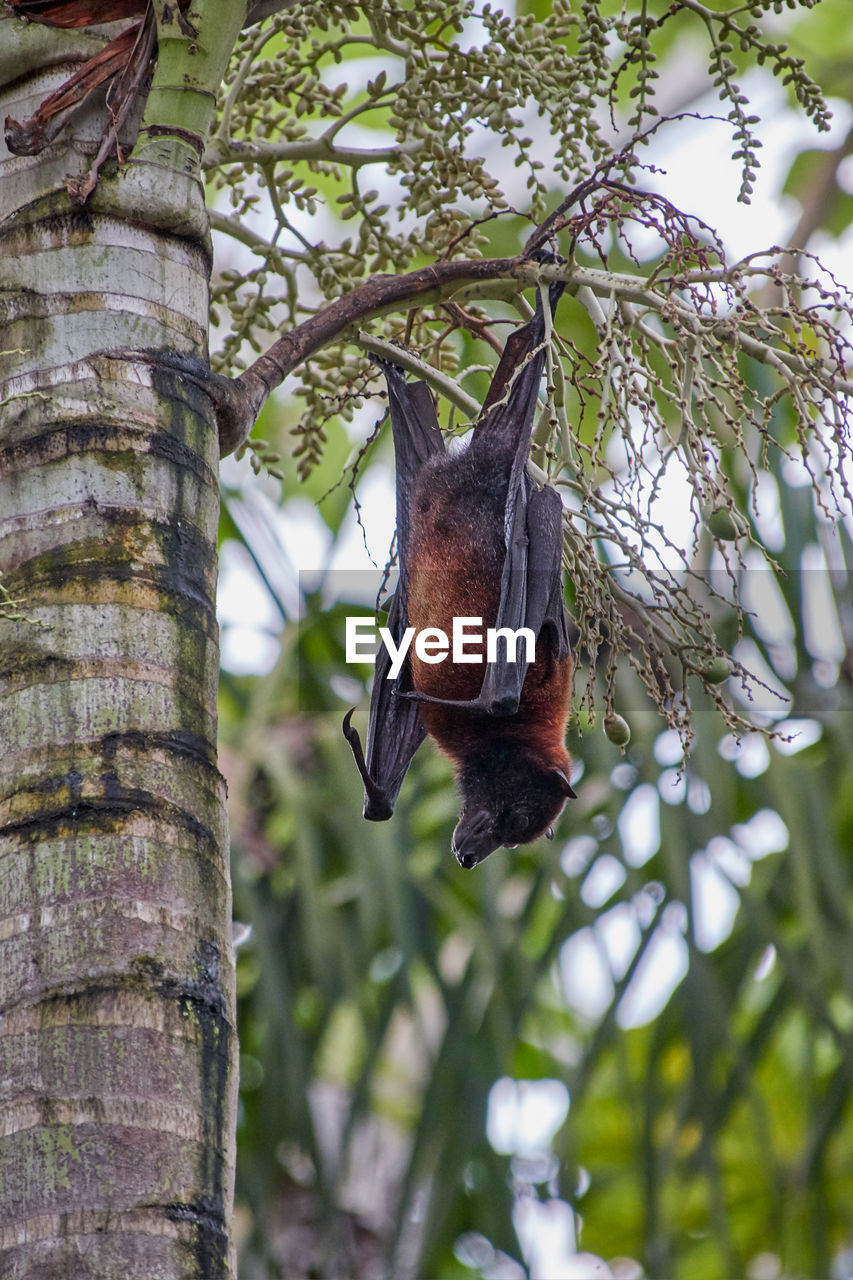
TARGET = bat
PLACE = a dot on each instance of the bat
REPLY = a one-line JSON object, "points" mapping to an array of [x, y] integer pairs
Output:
{"points": [[476, 540]]}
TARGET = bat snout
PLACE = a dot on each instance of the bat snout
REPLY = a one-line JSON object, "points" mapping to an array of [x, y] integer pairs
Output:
{"points": [[474, 838]]}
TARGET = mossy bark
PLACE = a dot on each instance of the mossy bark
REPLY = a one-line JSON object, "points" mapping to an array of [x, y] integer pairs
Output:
{"points": [[117, 1034]]}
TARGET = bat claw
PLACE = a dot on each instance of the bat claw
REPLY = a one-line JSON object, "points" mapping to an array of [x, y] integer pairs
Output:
{"points": [[377, 806]]}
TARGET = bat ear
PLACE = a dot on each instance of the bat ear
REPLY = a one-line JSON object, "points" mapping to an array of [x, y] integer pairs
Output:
{"points": [[563, 785]]}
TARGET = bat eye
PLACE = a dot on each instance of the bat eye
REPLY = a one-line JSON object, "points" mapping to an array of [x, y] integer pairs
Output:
{"points": [[549, 834]]}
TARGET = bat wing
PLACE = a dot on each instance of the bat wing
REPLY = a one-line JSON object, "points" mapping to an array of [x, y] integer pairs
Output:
{"points": [[395, 728], [546, 611], [417, 436], [510, 404], [531, 594]]}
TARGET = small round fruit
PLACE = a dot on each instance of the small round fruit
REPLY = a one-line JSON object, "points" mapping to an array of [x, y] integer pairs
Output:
{"points": [[723, 525], [617, 730], [717, 670]]}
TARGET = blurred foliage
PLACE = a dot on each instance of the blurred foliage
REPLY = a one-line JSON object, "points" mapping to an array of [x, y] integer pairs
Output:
{"points": [[384, 990], [678, 959]]}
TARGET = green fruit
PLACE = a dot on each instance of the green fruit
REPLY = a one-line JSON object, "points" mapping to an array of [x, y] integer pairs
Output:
{"points": [[717, 670], [722, 525], [617, 730]]}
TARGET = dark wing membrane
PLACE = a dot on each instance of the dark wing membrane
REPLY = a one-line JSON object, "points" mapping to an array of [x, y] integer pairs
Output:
{"points": [[395, 729], [417, 437], [531, 593], [545, 607], [501, 690], [510, 403]]}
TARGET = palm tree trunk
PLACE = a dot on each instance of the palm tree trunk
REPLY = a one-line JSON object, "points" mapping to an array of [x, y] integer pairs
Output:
{"points": [[117, 1028]]}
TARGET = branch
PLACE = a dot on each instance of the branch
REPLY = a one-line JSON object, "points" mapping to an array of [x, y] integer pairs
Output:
{"points": [[232, 226], [321, 149], [382, 293], [432, 284], [440, 382]]}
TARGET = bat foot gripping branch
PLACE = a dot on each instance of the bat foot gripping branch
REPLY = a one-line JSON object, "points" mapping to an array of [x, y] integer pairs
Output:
{"points": [[506, 705]]}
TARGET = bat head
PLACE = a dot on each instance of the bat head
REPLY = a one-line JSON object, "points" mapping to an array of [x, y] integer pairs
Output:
{"points": [[509, 804]]}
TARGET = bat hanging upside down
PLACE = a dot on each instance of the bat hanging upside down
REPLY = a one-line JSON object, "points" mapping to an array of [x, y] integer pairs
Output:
{"points": [[476, 540]]}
